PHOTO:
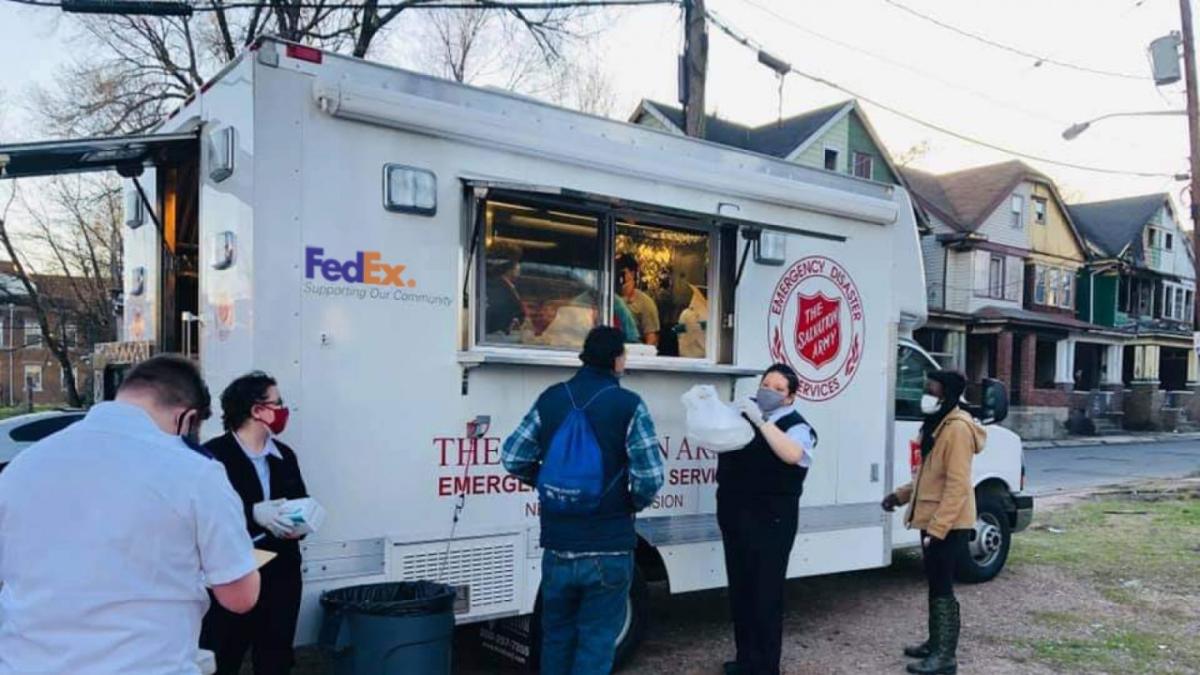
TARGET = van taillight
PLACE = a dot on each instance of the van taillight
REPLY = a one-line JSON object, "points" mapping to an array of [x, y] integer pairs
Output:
{"points": [[1022, 477], [310, 54]]}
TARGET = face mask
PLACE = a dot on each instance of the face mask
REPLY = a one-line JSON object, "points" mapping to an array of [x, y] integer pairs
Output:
{"points": [[279, 423], [191, 435], [769, 400], [930, 404]]}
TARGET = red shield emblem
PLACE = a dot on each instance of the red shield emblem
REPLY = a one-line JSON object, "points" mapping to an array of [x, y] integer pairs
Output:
{"points": [[818, 329]]}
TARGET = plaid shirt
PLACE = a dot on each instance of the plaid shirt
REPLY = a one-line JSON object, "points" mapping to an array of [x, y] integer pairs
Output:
{"points": [[522, 455]]}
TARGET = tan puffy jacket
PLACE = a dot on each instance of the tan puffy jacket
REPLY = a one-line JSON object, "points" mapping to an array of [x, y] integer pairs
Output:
{"points": [[943, 498]]}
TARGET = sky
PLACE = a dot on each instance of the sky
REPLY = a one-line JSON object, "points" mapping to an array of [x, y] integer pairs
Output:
{"points": [[872, 48]]}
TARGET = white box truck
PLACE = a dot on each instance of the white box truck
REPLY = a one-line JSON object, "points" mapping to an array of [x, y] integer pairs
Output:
{"points": [[415, 260]]}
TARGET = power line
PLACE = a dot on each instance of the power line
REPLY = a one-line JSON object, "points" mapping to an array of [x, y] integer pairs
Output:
{"points": [[1038, 59], [904, 66], [448, 4], [746, 41]]}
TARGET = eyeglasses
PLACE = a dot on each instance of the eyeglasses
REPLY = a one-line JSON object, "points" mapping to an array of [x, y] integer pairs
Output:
{"points": [[272, 404]]}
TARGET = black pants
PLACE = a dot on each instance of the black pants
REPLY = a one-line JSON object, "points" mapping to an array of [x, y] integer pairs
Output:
{"points": [[269, 628], [941, 557], [758, 532]]}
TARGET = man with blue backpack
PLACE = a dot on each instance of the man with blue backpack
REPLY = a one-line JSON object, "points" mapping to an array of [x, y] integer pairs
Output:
{"points": [[589, 447]]}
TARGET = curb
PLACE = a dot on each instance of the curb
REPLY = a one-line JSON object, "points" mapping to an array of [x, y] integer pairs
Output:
{"points": [[1091, 441]]}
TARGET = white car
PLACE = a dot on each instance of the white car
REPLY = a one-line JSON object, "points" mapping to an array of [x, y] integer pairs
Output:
{"points": [[22, 431]]}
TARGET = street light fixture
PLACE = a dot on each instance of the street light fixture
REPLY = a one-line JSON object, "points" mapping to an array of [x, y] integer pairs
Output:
{"points": [[1072, 132]]}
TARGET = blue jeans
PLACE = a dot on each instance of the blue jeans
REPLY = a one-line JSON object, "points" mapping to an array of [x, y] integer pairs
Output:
{"points": [[583, 609]]}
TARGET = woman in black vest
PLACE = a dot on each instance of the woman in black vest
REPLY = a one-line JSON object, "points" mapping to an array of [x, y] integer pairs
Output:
{"points": [[264, 472], [758, 499]]}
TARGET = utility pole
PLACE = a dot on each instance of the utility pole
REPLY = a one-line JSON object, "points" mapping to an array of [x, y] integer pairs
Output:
{"points": [[695, 66], [1193, 115]]}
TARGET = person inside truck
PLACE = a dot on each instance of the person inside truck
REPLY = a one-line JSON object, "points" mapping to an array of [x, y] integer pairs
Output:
{"points": [[110, 530], [505, 313], [645, 310], [265, 473], [942, 505], [758, 501]]}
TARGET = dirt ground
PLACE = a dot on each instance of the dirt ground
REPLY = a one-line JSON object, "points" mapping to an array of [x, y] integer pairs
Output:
{"points": [[1105, 582]]}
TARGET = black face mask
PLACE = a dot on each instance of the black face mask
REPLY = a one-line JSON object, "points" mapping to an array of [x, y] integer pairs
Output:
{"points": [[191, 435]]}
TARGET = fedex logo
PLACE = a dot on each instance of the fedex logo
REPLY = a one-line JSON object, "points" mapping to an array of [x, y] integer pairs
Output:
{"points": [[364, 268]]}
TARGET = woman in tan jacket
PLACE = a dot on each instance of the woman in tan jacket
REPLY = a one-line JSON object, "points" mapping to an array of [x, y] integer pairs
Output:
{"points": [[941, 503]]}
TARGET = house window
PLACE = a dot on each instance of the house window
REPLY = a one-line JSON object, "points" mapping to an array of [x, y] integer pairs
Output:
{"points": [[1189, 306], [1169, 304], [33, 332], [1039, 210], [1053, 287], [550, 271], [1168, 240], [831, 159], [1017, 206], [33, 377], [864, 165], [996, 277]]}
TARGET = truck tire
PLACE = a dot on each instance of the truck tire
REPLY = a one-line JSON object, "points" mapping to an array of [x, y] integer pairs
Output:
{"points": [[631, 635], [988, 550]]}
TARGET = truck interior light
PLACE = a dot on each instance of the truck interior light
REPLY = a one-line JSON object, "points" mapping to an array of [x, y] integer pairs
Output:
{"points": [[770, 248], [408, 189], [222, 149]]}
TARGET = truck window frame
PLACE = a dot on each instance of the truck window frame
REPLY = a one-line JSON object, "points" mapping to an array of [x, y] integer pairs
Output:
{"points": [[929, 365], [608, 216]]}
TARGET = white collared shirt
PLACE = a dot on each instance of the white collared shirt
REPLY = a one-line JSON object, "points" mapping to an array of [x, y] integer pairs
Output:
{"points": [[109, 532], [802, 434], [259, 459]]}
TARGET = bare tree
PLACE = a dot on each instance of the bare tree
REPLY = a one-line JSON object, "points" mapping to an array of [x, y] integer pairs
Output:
{"points": [[138, 68], [489, 48], [912, 154], [67, 264]]}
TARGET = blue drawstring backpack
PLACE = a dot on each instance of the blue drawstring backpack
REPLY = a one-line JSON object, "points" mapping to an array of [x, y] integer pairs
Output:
{"points": [[571, 479]]}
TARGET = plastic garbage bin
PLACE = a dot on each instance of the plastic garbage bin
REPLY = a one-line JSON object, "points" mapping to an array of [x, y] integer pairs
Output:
{"points": [[381, 629]]}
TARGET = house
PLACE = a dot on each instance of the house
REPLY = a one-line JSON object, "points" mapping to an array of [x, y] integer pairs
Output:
{"points": [[1002, 262], [25, 360], [837, 138], [1141, 282]]}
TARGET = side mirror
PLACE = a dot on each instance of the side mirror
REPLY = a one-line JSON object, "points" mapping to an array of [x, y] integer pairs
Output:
{"points": [[994, 408]]}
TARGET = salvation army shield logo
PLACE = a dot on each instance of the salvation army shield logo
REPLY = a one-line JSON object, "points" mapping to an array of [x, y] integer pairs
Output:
{"points": [[815, 324], [818, 329]]}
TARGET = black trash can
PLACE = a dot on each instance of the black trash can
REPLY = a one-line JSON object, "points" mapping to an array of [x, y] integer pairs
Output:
{"points": [[392, 628]]}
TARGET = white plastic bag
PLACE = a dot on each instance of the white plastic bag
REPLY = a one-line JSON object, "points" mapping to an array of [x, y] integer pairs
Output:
{"points": [[712, 424]]}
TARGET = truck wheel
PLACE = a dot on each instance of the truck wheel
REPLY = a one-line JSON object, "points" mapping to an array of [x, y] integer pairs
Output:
{"points": [[988, 550], [633, 631]]}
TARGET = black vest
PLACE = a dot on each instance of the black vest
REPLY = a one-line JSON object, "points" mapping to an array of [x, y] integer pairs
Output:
{"points": [[611, 527], [756, 470]]}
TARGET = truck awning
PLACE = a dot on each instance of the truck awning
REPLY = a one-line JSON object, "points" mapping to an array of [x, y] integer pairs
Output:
{"points": [[49, 158]]}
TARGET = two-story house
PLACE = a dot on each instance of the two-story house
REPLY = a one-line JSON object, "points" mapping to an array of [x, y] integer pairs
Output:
{"points": [[837, 138], [1142, 282], [1001, 263]]}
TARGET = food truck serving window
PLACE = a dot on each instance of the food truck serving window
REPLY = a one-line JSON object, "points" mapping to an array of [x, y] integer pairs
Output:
{"points": [[551, 270]]}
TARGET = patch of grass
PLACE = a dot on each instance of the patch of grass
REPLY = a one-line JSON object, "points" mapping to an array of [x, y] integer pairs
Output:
{"points": [[6, 413], [1123, 544], [1117, 651], [1058, 619]]}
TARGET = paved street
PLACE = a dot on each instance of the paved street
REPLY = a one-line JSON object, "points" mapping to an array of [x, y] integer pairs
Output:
{"points": [[1051, 470]]}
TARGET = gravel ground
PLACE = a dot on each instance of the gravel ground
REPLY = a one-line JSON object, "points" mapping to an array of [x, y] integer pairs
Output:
{"points": [[1074, 602]]}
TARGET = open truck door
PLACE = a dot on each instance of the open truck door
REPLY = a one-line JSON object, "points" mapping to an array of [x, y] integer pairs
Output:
{"points": [[159, 291]]}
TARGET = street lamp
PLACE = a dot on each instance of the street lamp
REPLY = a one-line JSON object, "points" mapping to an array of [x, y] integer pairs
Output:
{"points": [[1072, 132]]}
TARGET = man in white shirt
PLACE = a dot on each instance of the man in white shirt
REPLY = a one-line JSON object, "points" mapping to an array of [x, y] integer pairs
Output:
{"points": [[111, 530]]}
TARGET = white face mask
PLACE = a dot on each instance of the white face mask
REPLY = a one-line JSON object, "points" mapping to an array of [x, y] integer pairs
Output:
{"points": [[930, 404]]}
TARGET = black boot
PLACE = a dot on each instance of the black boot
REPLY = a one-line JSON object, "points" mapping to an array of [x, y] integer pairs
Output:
{"points": [[925, 648], [944, 638]]}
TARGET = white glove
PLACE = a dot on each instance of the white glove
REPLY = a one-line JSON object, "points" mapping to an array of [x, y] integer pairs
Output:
{"points": [[751, 410], [267, 515]]}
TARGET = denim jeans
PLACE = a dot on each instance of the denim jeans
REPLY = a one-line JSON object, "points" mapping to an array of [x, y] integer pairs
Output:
{"points": [[583, 609]]}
